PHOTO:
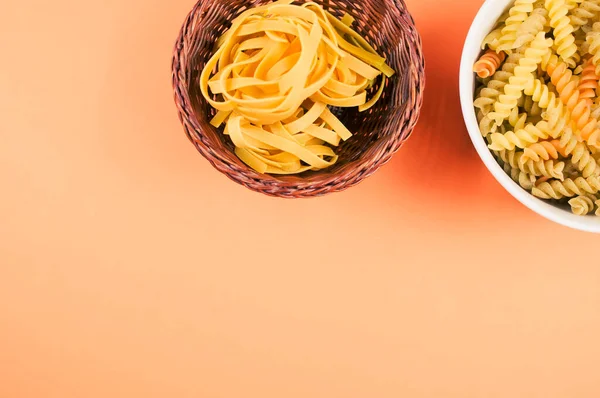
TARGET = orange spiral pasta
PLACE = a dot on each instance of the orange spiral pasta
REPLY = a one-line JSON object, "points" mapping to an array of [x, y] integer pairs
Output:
{"points": [[568, 91], [542, 150], [589, 82], [488, 63]]}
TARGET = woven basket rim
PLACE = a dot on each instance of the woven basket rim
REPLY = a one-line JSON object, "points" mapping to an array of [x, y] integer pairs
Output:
{"points": [[350, 175]]}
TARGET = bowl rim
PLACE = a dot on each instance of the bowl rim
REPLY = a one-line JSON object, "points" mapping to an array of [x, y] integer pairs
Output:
{"points": [[483, 23]]}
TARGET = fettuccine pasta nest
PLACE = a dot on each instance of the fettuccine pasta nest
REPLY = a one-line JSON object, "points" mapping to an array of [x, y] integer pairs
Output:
{"points": [[273, 77]]}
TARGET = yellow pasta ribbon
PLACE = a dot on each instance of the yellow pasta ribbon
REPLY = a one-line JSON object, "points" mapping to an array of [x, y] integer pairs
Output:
{"points": [[272, 77]]}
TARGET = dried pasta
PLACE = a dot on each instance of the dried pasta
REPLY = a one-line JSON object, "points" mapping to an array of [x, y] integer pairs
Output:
{"points": [[273, 77], [488, 63], [537, 99], [518, 14], [582, 14]]}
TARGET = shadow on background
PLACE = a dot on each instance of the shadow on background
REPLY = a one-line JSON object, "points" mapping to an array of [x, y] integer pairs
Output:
{"points": [[440, 152]]}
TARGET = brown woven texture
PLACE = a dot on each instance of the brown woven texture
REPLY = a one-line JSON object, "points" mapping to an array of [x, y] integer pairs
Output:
{"points": [[378, 132]]}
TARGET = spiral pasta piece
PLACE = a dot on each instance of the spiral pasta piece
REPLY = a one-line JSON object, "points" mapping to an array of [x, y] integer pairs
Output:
{"points": [[569, 94], [517, 120], [541, 150], [545, 168], [563, 30], [531, 108], [523, 74], [518, 14], [584, 12], [489, 94], [521, 138], [486, 125], [581, 157], [589, 82], [582, 205], [567, 189], [488, 63], [556, 112], [526, 181], [572, 4], [582, 47], [567, 143], [533, 25], [593, 40], [492, 40]]}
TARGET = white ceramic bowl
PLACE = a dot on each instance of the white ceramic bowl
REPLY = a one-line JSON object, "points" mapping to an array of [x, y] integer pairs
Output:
{"points": [[484, 22]]}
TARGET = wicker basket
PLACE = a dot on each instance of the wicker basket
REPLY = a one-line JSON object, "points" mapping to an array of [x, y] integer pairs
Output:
{"points": [[378, 133]]}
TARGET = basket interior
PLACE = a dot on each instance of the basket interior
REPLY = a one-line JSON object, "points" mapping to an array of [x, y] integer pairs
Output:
{"points": [[379, 21]]}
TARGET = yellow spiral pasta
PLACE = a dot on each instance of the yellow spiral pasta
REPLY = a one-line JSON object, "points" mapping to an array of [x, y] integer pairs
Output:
{"points": [[582, 205], [520, 138], [489, 95], [563, 30], [568, 188], [517, 120], [545, 168], [593, 40], [526, 181], [533, 25], [581, 157], [492, 40], [556, 112], [523, 74], [518, 14], [486, 125]]}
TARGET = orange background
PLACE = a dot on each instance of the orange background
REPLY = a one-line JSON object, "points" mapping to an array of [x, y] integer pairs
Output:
{"points": [[129, 267]]}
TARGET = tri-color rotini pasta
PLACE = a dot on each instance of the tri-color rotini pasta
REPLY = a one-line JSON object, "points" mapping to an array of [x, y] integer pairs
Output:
{"points": [[537, 99]]}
